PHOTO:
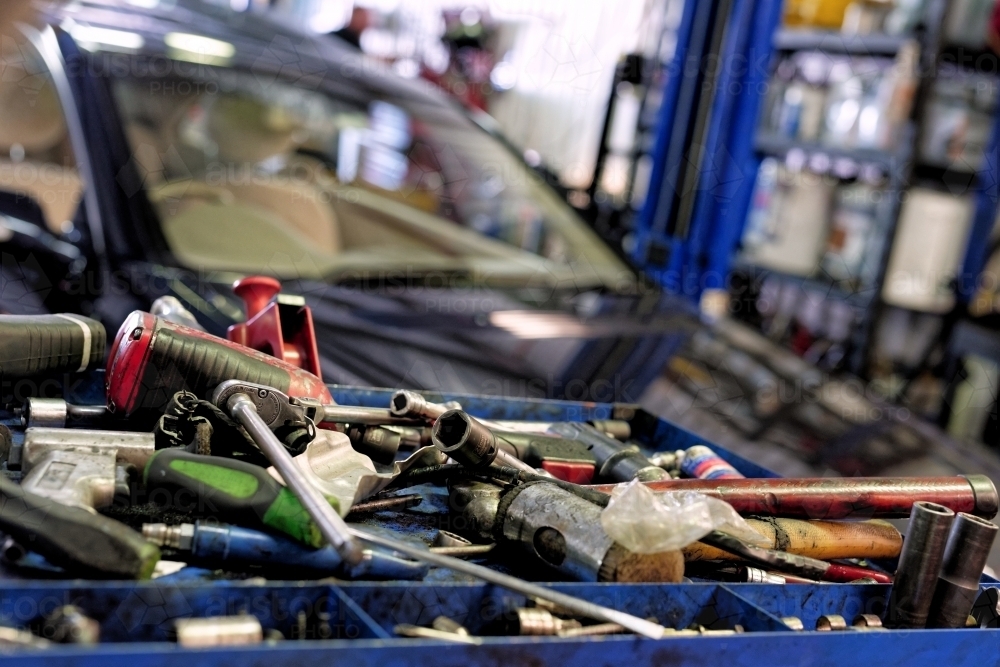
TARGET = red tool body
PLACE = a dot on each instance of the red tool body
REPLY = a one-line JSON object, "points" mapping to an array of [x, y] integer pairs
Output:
{"points": [[841, 497], [280, 325], [152, 359]]}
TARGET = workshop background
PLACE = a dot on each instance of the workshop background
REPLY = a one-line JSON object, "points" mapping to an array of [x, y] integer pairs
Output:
{"points": [[831, 210], [772, 223]]}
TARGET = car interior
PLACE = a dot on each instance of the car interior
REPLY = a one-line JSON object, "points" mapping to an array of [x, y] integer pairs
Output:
{"points": [[35, 155], [317, 188]]}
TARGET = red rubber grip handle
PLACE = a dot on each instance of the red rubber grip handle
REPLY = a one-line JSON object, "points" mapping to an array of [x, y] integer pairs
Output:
{"points": [[152, 359]]}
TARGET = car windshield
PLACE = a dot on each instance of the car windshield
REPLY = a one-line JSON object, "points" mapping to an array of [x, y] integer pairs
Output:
{"points": [[339, 180]]}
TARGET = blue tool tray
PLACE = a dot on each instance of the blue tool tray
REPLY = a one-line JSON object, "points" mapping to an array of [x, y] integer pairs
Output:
{"points": [[352, 622]]}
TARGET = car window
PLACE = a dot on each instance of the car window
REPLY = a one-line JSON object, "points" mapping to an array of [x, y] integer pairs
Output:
{"points": [[36, 161], [252, 174]]}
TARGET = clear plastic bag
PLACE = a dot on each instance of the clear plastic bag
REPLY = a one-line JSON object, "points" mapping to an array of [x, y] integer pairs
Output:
{"points": [[645, 522]]}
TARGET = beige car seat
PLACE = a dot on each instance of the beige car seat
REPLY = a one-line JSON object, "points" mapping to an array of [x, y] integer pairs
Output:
{"points": [[31, 118], [279, 214]]}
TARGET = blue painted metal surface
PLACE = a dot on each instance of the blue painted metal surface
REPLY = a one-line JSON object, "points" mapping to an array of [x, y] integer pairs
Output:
{"points": [[987, 204], [701, 258], [352, 623], [650, 227], [739, 170]]}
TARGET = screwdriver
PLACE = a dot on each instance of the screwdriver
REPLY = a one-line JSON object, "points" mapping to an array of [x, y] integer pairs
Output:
{"points": [[81, 542], [229, 490]]}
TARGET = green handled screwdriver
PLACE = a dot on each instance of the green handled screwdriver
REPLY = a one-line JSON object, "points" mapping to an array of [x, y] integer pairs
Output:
{"points": [[228, 490], [82, 543]]}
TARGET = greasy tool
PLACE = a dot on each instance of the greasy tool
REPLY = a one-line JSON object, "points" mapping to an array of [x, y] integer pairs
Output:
{"points": [[471, 443], [867, 622], [377, 442], [419, 632], [225, 489], [965, 557], [919, 564], [249, 406], [810, 568], [57, 413], [33, 344], [240, 630], [388, 503], [411, 404], [825, 540], [82, 468], [615, 461], [357, 415], [560, 529], [152, 359], [405, 403], [222, 543], [476, 444], [839, 497], [831, 623], [81, 542], [277, 324], [535, 621], [565, 459], [718, 571]]}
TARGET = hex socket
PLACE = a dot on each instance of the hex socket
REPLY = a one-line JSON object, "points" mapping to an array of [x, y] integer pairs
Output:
{"points": [[965, 555], [919, 564], [464, 439], [405, 403]]}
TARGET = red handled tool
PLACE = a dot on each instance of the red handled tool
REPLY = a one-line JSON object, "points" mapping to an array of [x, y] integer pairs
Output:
{"points": [[152, 359], [278, 324]]}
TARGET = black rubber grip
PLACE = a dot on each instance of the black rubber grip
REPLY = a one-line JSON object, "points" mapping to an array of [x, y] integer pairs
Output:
{"points": [[84, 544], [179, 362], [33, 344]]}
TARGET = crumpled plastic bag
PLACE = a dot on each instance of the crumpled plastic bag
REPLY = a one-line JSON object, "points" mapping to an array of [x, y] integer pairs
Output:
{"points": [[338, 471], [645, 522]]}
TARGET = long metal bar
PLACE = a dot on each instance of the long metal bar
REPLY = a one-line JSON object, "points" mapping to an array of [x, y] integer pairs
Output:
{"points": [[841, 497], [576, 605], [351, 414], [333, 528]]}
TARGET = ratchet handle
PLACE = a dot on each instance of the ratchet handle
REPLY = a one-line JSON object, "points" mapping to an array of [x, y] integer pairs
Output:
{"points": [[84, 544], [228, 490], [152, 359], [33, 344]]}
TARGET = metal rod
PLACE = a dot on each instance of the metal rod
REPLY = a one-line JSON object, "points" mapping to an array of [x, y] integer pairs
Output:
{"points": [[511, 461], [329, 522], [577, 606], [841, 498], [392, 503], [468, 550], [353, 414], [418, 632]]}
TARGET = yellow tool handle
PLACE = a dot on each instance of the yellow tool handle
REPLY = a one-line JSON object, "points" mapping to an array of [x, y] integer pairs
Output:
{"points": [[825, 540]]}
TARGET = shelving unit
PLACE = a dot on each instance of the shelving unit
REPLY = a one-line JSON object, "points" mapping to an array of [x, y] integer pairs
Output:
{"points": [[774, 145], [834, 42], [709, 146]]}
